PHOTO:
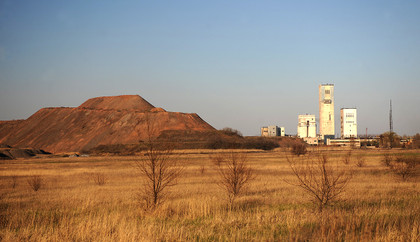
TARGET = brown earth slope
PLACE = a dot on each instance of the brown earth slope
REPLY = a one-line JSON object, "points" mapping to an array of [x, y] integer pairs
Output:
{"points": [[9, 153], [125, 102], [98, 121]]}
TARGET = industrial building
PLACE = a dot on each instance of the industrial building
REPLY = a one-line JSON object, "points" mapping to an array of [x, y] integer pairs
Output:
{"points": [[326, 111], [307, 124], [272, 131], [307, 128], [344, 142], [264, 131], [348, 123], [281, 131]]}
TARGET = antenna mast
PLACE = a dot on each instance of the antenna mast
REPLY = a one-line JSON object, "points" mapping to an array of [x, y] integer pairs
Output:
{"points": [[391, 128]]}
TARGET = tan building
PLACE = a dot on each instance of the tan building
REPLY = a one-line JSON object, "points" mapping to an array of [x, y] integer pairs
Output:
{"points": [[272, 131], [264, 131], [348, 123], [326, 111]]}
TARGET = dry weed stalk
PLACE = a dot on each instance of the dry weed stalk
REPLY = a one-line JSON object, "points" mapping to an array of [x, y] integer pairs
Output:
{"points": [[98, 178], [234, 173], [14, 182], [324, 182], [202, 169], [35, 182], [387, 159], [159, 168], [347, 157], [360, 160]]}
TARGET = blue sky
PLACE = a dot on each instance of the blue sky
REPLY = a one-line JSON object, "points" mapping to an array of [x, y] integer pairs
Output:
{"points": [[239, 64]]}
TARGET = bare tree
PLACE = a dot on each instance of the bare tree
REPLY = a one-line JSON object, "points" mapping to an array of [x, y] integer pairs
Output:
{"points": [[323, 181], [159, 168], [416, 141], [234, 173], [405, 166], [389, 140]]}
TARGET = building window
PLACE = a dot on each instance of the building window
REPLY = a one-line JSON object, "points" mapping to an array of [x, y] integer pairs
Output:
{"points": [[327, 91]]}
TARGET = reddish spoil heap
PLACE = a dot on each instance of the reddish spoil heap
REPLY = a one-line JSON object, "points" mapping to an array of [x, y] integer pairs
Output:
{"points": [[98, 121]]}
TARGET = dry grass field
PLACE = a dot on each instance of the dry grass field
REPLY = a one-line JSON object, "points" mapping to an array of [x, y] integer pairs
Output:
{"points": [[96, 199]]}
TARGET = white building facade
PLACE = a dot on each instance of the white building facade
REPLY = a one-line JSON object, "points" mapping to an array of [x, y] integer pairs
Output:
{"points": [[282, 131], [348, 123], [306, 126]]}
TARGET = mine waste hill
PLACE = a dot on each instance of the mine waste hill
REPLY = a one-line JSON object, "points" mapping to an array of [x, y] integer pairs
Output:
{"points": [[100, 122], [8, 153]]}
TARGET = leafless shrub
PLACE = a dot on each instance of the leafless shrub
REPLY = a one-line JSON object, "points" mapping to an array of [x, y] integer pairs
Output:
{"points": [[159, 168], [387, 159], [347, 157], [231, 132], [299, 149], [405, 166], [322, 181], [98, 178], [234, 173], [35, 182], [360, 160]]}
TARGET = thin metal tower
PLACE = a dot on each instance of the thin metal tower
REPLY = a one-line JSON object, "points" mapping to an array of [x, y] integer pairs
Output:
{"points": [[391, 128]]}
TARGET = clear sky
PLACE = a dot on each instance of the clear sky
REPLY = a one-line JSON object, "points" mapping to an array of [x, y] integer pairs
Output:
{"points": [[240, 64]]}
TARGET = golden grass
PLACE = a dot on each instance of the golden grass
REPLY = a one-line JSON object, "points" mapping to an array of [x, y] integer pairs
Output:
{"points": [[71, 206]]}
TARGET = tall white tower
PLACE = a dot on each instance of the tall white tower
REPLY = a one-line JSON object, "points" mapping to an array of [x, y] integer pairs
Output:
{"points": [[326, 111], [348, 123]]}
